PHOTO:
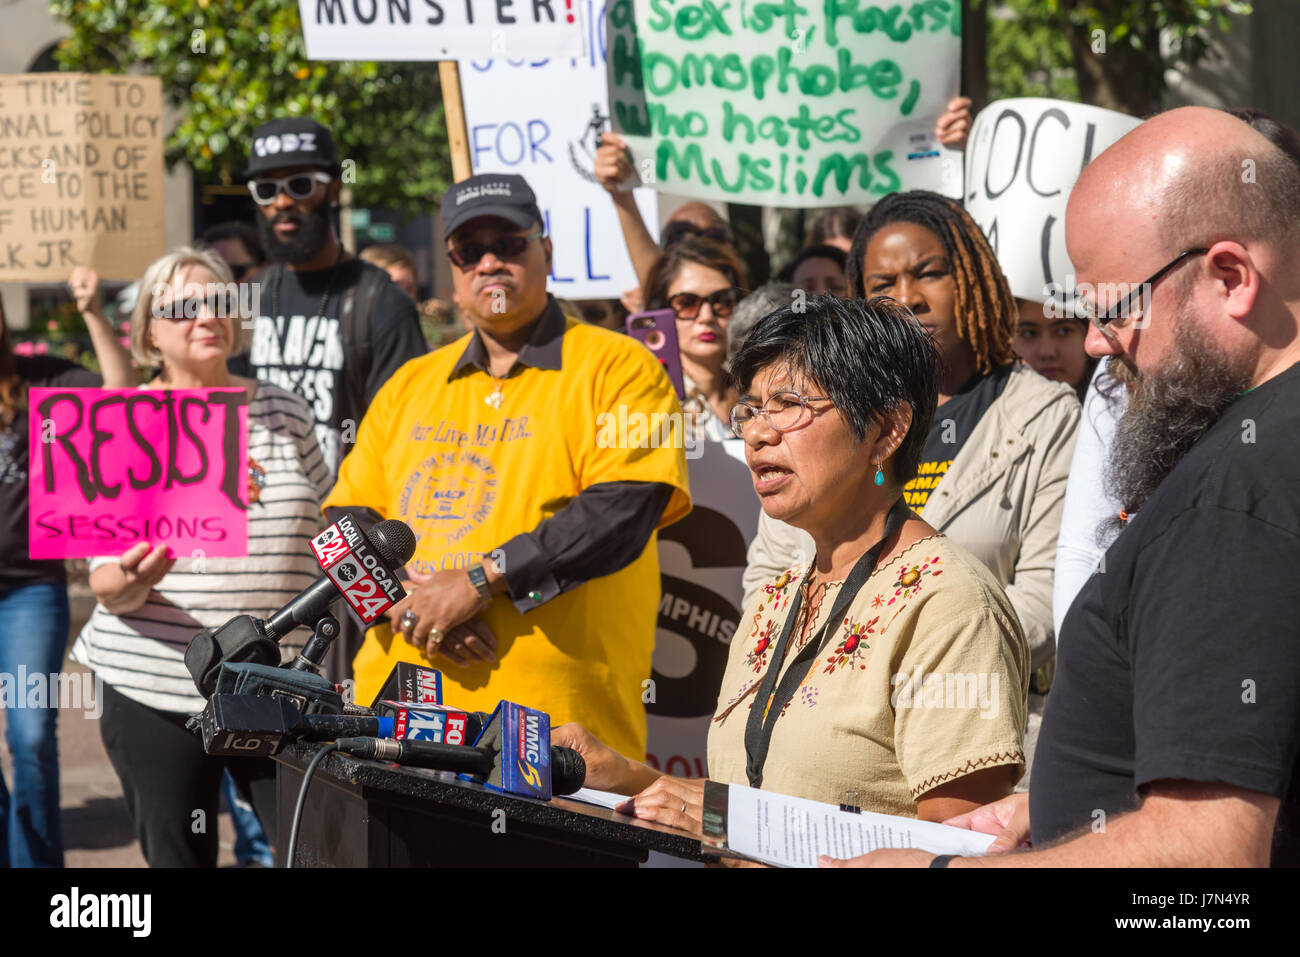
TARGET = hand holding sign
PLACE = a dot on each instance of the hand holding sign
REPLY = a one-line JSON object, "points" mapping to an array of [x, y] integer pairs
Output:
{"points": [[84, 283], [954, 126], [612, 165], [123, 587]]}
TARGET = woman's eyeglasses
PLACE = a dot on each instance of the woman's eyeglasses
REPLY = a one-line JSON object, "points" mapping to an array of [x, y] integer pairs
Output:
{"points": [[504, 247], [298, 186], [783, 411], [687, 304]]}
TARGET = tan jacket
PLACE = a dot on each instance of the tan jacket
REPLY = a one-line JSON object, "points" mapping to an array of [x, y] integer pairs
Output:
{"points": [[1000, 500]]}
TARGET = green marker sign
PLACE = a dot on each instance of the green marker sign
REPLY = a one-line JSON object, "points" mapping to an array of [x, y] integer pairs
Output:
{"points": [[782, 103]]}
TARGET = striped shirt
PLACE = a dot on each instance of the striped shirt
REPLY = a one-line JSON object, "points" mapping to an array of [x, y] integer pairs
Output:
{"points": [[141, 654]]}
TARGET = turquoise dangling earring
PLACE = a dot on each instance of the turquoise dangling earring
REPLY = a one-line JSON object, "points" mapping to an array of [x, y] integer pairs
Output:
{"points": [[880, 475]]}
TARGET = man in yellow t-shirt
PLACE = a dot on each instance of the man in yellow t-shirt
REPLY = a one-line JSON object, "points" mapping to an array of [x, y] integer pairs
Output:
{"points": [[536, 576]]}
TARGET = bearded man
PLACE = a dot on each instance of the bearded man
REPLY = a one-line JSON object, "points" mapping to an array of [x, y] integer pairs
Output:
{"points": [[1171, 734]]}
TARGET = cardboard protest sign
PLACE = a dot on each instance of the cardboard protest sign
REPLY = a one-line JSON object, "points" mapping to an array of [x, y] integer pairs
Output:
{"points": [[114, 467], [81, 175], [1022, 159], [701, 561], [786, 105], [439, 29], [542, 119]]}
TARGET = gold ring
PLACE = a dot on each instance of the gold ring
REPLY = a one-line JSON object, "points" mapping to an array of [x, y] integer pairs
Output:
{"points": [[435, 637]]}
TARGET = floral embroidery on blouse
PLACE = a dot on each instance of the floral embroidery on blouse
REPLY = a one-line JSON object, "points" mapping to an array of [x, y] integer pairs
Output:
{"points": [[909, 582], [852, 647], [757, 658]]}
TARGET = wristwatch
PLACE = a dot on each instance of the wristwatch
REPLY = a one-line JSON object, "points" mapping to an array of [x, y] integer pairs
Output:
{"points": [[942, 860], [478, 578]]}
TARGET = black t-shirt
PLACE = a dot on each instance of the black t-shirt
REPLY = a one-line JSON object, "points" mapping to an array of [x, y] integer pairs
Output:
{"points": [[16, 567], [303, 348], [954, 421], [1180, 658]]}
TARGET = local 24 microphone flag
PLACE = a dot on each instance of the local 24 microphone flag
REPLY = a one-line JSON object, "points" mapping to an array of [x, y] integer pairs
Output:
{"points": [[114, 467]]}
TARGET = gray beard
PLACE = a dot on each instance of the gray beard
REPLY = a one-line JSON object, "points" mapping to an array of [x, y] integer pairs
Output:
{"points": [[1168, 412]]}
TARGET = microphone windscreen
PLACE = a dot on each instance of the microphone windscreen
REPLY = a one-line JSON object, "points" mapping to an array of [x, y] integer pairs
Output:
{"points": [[568, 770], [394, 541]]}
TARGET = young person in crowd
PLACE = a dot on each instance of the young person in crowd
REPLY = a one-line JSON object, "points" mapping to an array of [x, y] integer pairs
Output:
{"points": [[817, 270], [701, 281]]}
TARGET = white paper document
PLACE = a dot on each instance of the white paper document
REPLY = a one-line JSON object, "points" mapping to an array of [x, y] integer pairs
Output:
{"points": [[792, 832], [600, 798]]}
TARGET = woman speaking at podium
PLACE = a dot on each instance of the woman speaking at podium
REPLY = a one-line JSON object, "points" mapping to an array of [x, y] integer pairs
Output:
{"points": [[889, 663]]}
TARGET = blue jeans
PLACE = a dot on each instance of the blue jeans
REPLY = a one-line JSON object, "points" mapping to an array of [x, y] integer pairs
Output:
{"points": [[34, 635], [250, 839]]}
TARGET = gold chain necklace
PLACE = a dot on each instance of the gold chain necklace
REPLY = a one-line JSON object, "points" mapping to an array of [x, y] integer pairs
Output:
{"points": [[497, 396]]}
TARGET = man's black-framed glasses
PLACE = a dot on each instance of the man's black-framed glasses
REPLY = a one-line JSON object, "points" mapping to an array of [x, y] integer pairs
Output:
{"points": [[298, 186], [503, 247], [784, 412], [1135, 302]]}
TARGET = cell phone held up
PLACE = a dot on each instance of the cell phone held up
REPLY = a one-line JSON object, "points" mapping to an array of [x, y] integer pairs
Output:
{"points": [[657, 331]]}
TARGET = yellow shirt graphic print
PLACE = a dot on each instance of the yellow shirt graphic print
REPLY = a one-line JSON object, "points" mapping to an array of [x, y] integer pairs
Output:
{"points": [[468, 477], [928, 476]]}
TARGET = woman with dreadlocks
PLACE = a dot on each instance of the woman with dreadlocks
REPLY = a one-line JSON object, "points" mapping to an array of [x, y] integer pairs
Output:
{"points": [[993, 471]]}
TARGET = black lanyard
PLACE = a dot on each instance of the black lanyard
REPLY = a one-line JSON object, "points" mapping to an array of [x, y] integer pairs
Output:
{"points": [[758, 732]]}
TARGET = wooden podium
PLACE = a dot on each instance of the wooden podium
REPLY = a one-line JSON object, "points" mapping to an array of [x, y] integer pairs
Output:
{"points": [[364, 813]]}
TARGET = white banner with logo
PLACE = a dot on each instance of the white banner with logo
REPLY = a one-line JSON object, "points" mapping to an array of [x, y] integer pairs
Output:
{"points": [[701, 562], [1022, 159], [412, 30], [541, 119]]}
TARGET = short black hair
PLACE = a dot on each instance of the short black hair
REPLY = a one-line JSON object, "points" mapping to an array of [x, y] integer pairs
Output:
{"points": [[867, 356], [833, 253], [234, 229]]}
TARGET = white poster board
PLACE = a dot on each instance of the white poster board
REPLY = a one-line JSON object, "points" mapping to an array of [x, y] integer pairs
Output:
{"points": [[1022, 159], [540, 118], [412, 30], [785, 105], [701, 562]]}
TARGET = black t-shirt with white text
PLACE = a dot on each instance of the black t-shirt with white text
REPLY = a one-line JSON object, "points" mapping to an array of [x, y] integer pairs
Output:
{"points": [[1180, 658], [304, 349], [17, 568], [954, 421]]}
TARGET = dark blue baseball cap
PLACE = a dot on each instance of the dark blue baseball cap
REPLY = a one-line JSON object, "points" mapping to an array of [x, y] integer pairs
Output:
{"points": [[489, 194]]}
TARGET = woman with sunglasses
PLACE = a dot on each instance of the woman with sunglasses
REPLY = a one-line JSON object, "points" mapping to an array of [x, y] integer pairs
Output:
{"points": [[151, 602], [843, 676], [701, 281]]}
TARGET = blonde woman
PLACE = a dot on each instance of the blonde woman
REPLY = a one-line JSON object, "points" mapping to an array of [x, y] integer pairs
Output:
{"points": [[151, 602]]}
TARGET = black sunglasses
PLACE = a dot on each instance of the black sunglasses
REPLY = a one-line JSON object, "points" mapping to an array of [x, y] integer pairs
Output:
{"points": [[687, 305], [505, 247], [675, 232]]}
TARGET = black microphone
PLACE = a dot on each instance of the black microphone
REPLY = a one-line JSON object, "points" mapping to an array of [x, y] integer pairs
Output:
{"points": [[251, 725], [358, 567], [568, 769]]}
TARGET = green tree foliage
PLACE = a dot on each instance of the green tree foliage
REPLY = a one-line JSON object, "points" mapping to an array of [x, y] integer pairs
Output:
{"points": [[228, 65], [1104, 52]]}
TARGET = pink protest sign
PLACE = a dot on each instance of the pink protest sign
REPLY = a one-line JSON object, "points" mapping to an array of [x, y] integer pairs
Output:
{"points": [[113, 467]]}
